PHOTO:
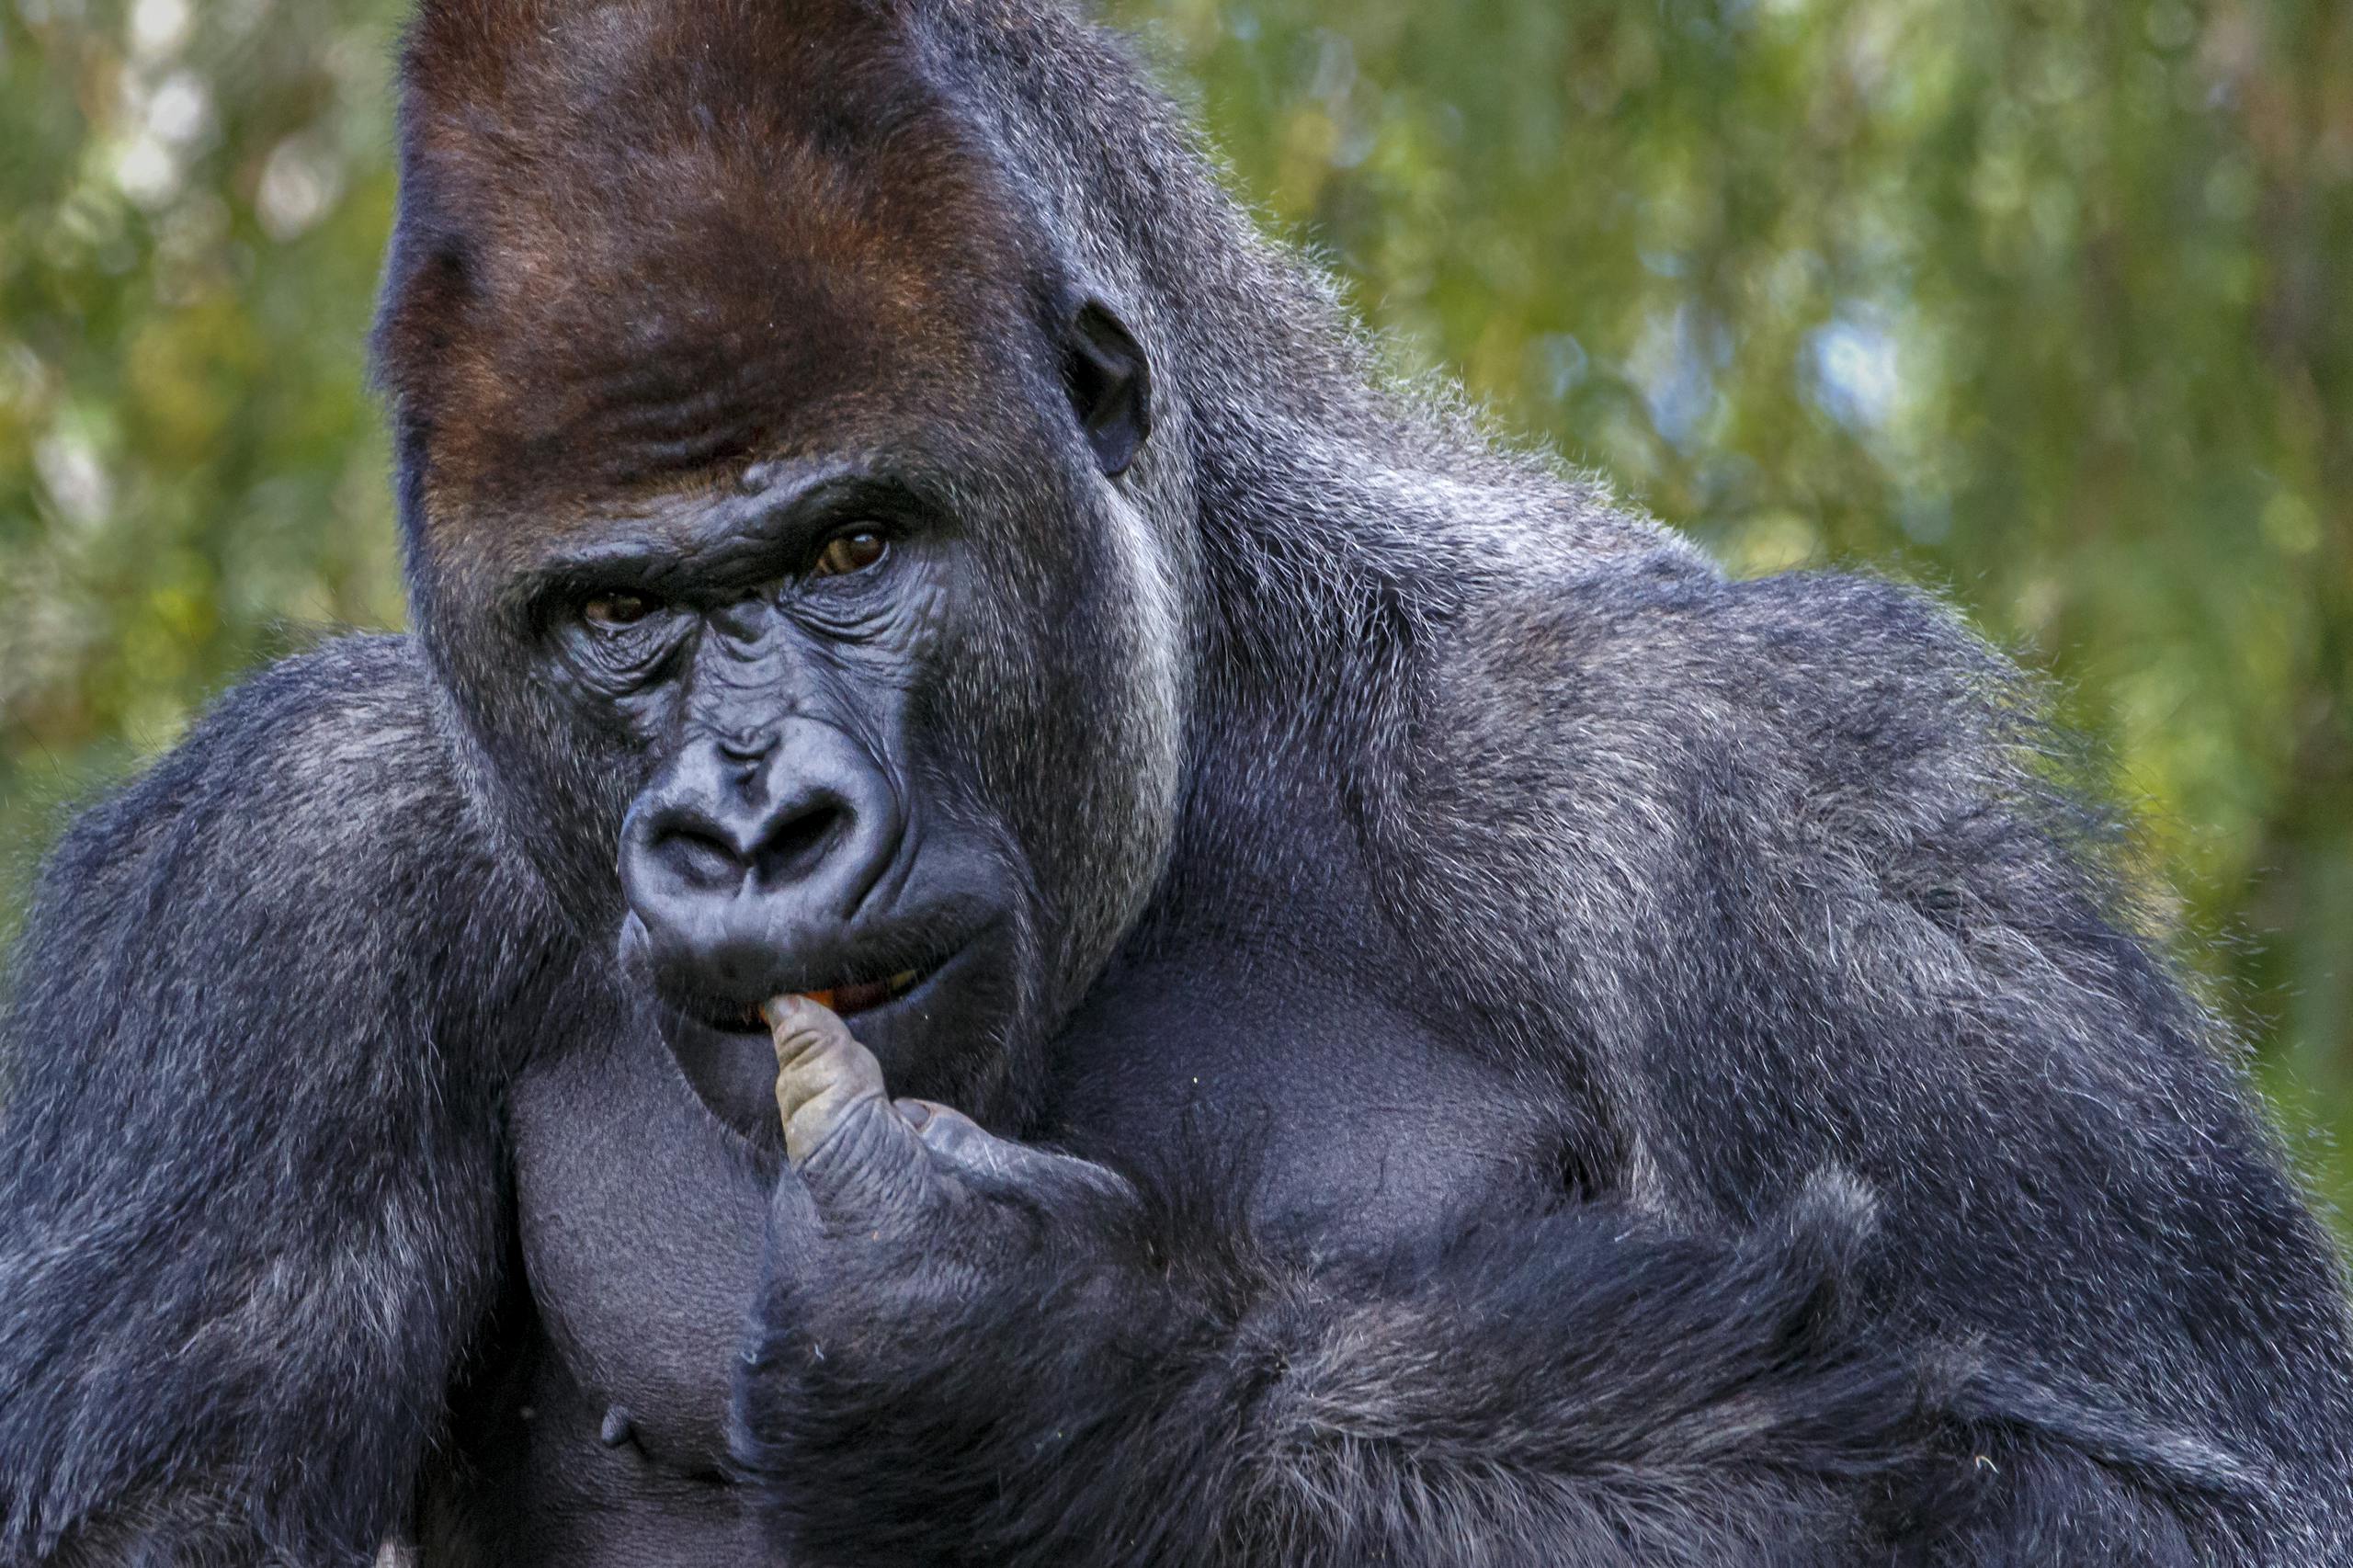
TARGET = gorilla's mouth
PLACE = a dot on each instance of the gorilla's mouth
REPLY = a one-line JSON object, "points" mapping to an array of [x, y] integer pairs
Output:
{"points": [[847, 999], [903, 979]]}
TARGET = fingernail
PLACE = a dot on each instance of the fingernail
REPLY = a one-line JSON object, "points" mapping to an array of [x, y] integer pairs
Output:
{"points": [[918, 1115]]}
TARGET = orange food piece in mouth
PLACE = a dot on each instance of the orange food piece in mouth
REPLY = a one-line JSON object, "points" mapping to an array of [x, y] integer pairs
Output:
{"points": [[845, 1000], [765, 1014]]}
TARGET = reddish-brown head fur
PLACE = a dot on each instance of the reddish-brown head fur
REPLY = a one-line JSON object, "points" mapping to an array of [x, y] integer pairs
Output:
{"points": [[647, 241]]}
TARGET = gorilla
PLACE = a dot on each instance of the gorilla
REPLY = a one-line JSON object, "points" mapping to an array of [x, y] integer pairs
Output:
{"points": [[1006, 910]]}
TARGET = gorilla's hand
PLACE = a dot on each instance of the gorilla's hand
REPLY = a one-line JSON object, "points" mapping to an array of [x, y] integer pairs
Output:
{"points": [[897, 1212], [904, 1179]]}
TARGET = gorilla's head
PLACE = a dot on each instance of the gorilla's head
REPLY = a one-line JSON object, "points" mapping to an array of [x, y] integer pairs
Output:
{"points": [[782, 524]]}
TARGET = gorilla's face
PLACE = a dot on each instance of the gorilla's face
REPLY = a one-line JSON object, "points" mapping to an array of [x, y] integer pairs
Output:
{"points": [[779, 666], [889, 720]]}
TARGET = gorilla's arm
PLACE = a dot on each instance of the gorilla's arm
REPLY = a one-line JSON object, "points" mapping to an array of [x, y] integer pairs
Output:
{"points": [[250, 1193], [976, 1352], [1819, 882], [1791, 864]]}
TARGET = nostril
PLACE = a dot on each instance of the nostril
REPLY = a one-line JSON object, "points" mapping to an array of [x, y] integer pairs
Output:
{"points": [[794, 846], [702, 861]]}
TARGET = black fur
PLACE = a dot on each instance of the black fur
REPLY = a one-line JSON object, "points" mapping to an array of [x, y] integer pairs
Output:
{"points": [[1496, 1396], [252, 1194], [1786, 1146]]}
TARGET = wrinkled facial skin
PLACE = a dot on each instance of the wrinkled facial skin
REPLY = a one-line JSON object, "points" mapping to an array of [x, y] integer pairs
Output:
{"points": [[793, 837], [889, 716], [838, 726]]}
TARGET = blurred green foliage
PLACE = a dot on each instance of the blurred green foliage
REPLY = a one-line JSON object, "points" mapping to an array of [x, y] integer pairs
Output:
{"points": [[2048, 303]]}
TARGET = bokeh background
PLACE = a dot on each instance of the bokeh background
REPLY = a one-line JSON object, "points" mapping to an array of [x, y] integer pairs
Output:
{"points": [[2046, 302]]}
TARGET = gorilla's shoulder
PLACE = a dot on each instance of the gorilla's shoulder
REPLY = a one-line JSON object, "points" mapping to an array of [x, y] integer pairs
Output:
{"points": [[1663, 652], [1817, 711], [365, 684], [325, 760]]}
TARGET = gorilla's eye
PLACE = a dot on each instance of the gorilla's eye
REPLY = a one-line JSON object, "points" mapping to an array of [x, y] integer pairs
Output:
{"points": [[613, 612], [852, 552]]}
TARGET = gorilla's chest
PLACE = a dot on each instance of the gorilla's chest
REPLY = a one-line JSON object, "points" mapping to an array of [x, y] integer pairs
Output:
{"points": [[640, 1223], [1351, 1123], [641, 1216]]}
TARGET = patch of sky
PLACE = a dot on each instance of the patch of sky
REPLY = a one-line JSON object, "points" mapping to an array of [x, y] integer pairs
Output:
{"points": [[1854, 368], [1562, 364], [1674, 363]]}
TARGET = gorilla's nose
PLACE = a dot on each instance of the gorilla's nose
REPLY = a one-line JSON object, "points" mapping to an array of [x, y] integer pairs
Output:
{"points": [[740, 853]]}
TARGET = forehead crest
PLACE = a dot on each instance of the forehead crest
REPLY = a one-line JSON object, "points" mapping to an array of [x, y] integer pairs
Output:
{"points": [[643, 234]]}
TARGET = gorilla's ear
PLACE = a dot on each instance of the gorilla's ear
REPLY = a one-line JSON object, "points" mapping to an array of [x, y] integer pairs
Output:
{"points": [[1109, 384]]}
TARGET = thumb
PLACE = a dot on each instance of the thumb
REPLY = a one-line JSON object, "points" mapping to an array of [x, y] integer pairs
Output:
{"points": [[855, 1156]]}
